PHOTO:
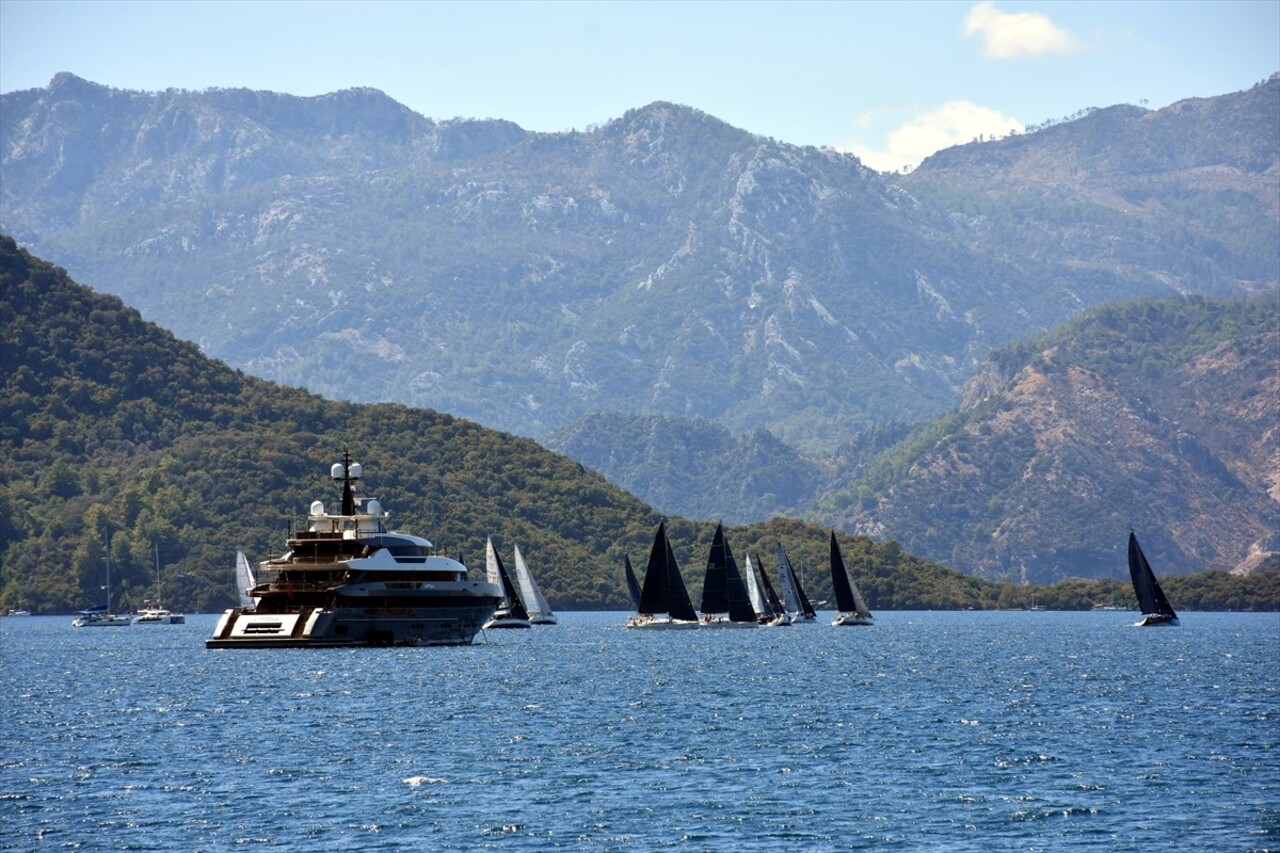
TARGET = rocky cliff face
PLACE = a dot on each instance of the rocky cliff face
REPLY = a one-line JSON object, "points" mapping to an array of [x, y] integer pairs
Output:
{"points": [[1044, 475], [664, 263]]}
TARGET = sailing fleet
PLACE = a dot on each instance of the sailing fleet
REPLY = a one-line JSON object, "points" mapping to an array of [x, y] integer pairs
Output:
{"points": [[733, 596]]}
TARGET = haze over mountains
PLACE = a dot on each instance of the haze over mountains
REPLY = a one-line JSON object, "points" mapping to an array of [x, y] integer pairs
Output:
{"points": [[665, 264]]}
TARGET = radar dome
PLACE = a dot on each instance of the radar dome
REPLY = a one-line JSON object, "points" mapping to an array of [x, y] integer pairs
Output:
{"points": [[356, 471], [317, 507], [336, 471]]}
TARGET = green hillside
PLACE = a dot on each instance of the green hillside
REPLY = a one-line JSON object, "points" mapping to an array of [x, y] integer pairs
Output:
{"points": [[114, 429]]}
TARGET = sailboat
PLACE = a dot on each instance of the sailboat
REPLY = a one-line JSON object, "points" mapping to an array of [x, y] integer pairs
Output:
{"points": [[724, 596], [1155, 608], [764, 600], [244, 580], [539, 611], [511, 612], [664, 601], [793, 597], [101, 616], [152, 613], [849, 601]]}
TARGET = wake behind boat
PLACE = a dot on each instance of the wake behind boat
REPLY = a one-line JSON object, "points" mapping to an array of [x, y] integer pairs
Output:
{"points": [[1155, 608], [349, 581]]}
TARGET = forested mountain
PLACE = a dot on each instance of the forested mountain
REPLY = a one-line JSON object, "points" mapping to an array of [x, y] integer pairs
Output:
{"points": [[664, 263], [695, 468], [1159, 415], [114, 430]]}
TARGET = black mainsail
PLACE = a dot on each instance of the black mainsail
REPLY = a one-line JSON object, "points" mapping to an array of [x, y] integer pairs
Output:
{"points": [[1155, 608], [633, 585], [664, 590], [723, 590]]}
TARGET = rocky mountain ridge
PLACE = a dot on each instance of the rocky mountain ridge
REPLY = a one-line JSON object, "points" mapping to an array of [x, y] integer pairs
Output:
{"points": [[664, 263]]}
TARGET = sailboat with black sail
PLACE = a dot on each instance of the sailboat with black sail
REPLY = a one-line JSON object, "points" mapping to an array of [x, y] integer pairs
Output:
{"points": [[724, 595], [511, 612], [664, 601], [793, 597], [849, 601], [1155, 608]]}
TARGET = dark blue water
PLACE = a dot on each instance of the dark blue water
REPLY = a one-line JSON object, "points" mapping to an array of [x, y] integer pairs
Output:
{"points": [[929, 731]]}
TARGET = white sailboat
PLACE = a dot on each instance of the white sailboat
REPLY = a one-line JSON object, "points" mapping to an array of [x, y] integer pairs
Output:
{"points": [[244, 580], [511, 612], [101, 616], [152, 613], [539, 611]]}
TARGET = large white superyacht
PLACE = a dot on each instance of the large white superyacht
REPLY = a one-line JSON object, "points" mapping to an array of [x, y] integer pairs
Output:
{"points": [[348, 581]]}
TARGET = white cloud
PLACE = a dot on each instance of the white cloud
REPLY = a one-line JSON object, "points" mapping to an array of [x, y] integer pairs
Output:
{"points": [[953, 123], [1015, 35]]}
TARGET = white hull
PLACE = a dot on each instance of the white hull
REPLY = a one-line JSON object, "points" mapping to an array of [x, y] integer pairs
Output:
{"points": [[544, 620], [101, 622], [159, 617], [502, 619], [721, 622], [659, 623], [852, 619]]}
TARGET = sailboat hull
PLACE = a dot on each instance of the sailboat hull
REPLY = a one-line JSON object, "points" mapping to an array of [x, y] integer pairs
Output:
{"points": [[852, 619], [1155, 620], [659, 623]]}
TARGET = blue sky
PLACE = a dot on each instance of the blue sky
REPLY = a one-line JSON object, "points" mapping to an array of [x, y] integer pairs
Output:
{"points": [[889, 81]]}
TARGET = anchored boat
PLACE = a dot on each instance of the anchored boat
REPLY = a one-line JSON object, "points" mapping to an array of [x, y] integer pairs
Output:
{"points": [[346, 580]]}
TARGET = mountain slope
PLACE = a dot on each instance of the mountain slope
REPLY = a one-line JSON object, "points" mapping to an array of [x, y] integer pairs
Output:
{"points": [[663, 264], [117, 432], [1160, 416]]}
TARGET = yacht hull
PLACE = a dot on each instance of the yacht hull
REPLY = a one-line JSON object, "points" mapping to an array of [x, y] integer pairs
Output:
{"points": [[452, 624]]}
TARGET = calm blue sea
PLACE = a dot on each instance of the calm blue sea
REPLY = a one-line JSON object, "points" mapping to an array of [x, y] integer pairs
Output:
{"points": [[930, 731]]}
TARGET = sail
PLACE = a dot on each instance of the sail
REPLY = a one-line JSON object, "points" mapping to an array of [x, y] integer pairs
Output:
{"points": [[491, 573], [244, 580], [633, 585], [775, 604], [792, 592], [848, 597], [679, 605], [787, 580], [511, 598], [755, 591], [1151, 598], [740, 609], [715, 583], [664, 590], [529, 590]]}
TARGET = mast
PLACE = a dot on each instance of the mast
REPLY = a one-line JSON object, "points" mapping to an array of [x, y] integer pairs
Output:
{"points": [[347, 472]]}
